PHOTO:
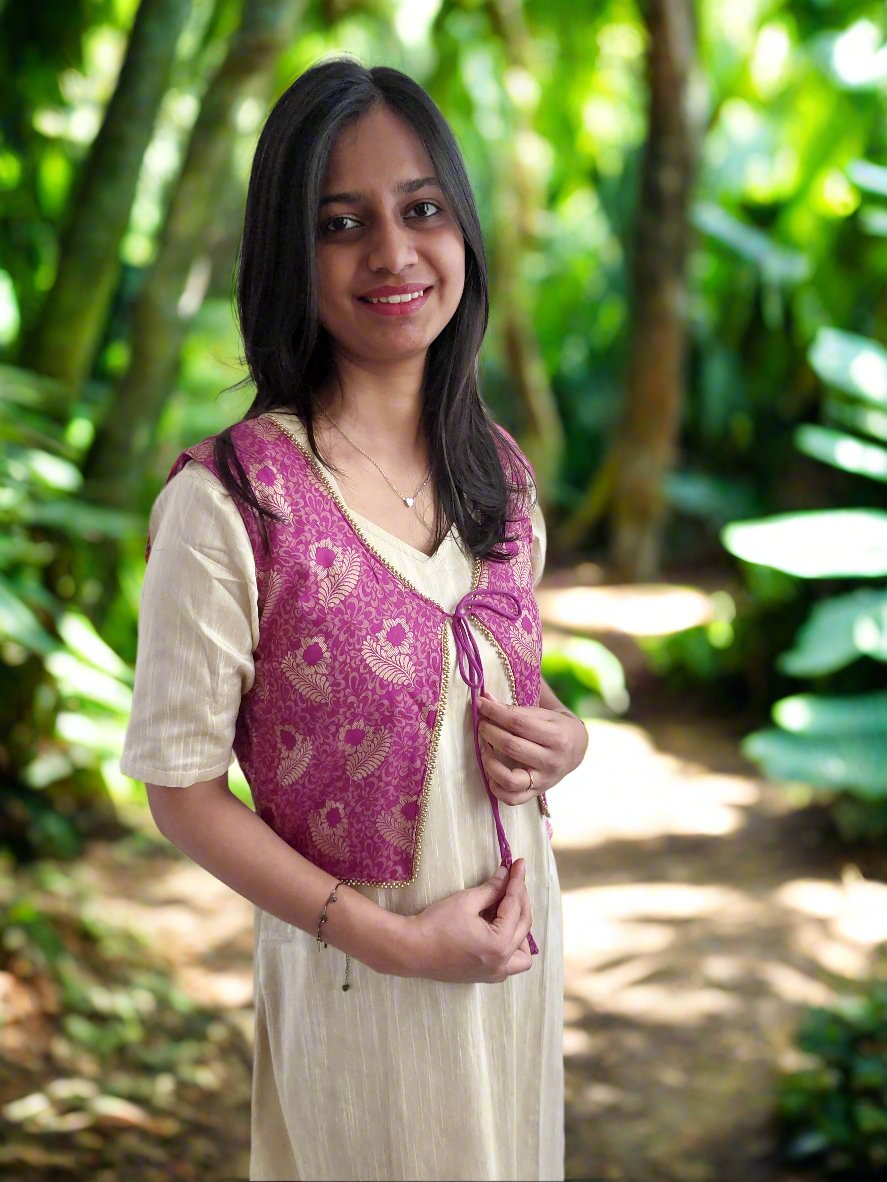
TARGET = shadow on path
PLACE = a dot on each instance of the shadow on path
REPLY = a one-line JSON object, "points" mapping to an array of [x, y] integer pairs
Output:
{"points": [[702, 913]]}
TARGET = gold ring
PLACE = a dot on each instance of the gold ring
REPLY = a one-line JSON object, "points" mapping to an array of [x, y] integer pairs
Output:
{"points": [[530, 774]]}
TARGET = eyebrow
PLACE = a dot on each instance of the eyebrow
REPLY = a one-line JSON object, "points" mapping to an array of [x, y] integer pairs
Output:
{"points": [[401, 188]]}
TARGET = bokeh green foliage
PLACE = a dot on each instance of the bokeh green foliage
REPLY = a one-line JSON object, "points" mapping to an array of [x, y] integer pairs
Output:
{"points": [[836, 744], [122, 1057], [82, 686], [585, 675], [833, 1111], [789, 239]]}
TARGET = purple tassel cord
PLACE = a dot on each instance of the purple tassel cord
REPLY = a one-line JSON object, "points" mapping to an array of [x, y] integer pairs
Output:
{"points": [[472, 673]]}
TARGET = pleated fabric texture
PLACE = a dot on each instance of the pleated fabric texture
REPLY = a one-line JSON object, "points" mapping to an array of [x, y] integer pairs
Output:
{"points": [[398, 1078]]}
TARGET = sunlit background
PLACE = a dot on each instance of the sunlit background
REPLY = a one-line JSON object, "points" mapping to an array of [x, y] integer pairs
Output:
{"points": [[685, 210]]}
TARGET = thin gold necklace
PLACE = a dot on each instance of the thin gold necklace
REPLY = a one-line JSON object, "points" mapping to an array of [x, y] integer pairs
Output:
{"points": [[408, 501]]}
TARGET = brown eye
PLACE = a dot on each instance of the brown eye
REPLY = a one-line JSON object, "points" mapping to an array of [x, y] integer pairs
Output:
{"points": [[430, 204], [327, 228]]}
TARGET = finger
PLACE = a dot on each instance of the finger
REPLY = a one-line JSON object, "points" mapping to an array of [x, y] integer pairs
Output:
{"points": [[506, 920], [510, 909], [525, 921], [519, 961], [510, 798], [514, 782], [522, 915], [521, 940], [527, 722], [489, 893], [525, 751]]}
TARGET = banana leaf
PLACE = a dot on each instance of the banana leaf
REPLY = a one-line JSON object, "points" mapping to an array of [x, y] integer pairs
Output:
{"points": [[821, 714], [834, 762], [852, 363], [837, 632], [822, 544], [843, 451], [861, 419]]}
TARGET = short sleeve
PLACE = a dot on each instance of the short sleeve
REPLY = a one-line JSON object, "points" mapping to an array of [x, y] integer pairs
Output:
{"points": [[540, 543], [197, 630]]}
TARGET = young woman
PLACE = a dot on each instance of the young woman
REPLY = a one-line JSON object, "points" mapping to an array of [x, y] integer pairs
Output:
{"points": [[339, 592]]}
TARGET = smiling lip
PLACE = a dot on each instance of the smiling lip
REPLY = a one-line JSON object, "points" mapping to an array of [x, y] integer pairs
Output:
{"points": [[407, 309], [387, 290]]}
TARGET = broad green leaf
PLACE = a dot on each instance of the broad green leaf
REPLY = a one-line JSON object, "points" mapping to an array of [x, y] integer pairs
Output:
{"points": [[592, 664], [873, 219], [105, 735], [853, 363], [81, 681], [847, 761], [824, 544], [83, 641], [778, 264], [16, 550], [860, 418], [711, 497], [32, 428], [23, 387], [837, 632], [81, 517], [841, 450], [820, 714], [36, 467], [18, 622], [868, 176]]}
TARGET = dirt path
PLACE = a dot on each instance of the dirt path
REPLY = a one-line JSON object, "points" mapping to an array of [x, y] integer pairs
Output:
{"points": [[702, 912]]}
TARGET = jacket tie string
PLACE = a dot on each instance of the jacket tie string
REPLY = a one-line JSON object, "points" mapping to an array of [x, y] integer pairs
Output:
{"points": [[472, 673]]}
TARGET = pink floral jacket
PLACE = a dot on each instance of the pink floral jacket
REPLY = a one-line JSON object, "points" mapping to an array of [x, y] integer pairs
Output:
{"points": [[338, 735]]}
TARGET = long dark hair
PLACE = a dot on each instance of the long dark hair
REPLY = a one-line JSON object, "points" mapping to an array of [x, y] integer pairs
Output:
{"points": [[288, 352]]}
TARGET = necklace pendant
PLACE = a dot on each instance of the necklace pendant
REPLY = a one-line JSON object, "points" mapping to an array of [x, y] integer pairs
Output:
{"points": [[408, 501]]}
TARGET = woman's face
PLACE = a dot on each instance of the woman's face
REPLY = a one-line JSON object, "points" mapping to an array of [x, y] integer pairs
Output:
{"points": [[376, 238]]}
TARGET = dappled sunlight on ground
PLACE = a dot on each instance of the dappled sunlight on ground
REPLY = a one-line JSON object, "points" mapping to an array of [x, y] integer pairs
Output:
{"points": [[856, 910], [649, 609], [701, 917], [702, 913], [626, 789], [199, 922]]}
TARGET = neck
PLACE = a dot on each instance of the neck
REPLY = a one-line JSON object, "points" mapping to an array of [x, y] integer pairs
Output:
{"points": [[379, 407]]}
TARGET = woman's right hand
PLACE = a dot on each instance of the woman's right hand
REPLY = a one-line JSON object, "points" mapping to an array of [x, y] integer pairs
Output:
{"points": [[453, 941]]}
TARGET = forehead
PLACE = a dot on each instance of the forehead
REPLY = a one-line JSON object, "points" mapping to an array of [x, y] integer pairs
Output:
{"points": [[376, 151]]}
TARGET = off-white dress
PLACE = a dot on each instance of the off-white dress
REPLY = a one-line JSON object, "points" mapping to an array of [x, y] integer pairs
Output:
{"points": [[398, 1078]]}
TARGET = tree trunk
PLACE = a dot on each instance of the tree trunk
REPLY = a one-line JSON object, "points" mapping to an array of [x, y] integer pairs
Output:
{"points": [[518, 201], [173, 289], [63, 342], [645, 443]]}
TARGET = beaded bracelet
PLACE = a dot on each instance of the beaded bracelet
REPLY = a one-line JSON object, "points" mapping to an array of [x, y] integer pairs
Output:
{"points": [[322, 920]]}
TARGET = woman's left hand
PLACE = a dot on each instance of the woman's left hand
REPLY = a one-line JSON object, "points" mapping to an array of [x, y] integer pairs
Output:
{"points": [[548, 742]]}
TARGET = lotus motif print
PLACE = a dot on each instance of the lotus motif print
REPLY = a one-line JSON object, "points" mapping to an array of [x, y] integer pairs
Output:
{"points": [[388, 653], [427, 717], [307, 669], [329, 826], [396, 634], [295, 755], [269, 487], [367, 747], [523, 568], [351, 680], [264, 428], [526, 639], [397, 825], [269, 583], [338, 571]]}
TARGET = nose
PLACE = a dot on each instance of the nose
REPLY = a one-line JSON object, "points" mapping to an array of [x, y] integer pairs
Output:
{"points": [[391, 246]]}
